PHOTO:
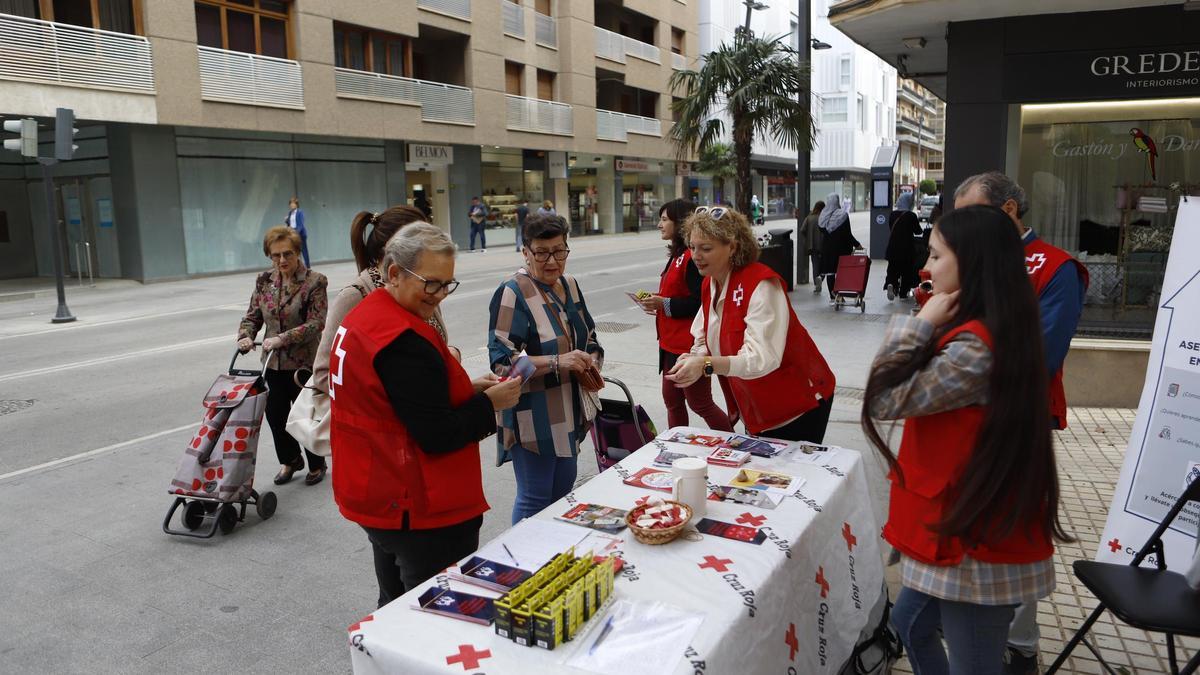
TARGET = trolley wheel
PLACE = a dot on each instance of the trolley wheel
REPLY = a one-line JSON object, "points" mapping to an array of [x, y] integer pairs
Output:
{"points": [[193, 514], [837, 304], [862, 307], [227, 518], [265, 505], [211, 507]]}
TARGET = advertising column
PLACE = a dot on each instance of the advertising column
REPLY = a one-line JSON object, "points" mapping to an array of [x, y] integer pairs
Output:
{"points": [[1163, 456]]}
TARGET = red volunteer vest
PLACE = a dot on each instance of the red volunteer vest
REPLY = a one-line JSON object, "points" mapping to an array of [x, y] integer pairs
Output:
{"points": [[675, 333], [933, 452], [785, 393], [1042, 261], [379, 472]]}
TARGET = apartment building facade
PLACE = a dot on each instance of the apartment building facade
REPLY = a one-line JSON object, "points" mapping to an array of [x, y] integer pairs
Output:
{"points": [[920, 131], [199, 120]]}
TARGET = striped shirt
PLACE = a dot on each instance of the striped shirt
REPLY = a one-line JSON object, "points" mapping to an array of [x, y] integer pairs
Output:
{"points": [[956, 377]]}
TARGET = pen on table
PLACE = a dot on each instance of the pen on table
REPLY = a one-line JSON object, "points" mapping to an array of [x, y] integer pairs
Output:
{"points": [[514, 558], [603, 634]]}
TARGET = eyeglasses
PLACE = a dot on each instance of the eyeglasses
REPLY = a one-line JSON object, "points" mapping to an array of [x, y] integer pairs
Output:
{"points": [[559, 254], [285, 255], [433, 287], [715, 212]]}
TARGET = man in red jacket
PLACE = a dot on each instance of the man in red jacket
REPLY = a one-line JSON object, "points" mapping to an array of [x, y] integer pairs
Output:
{"points": [[1060, 282]]}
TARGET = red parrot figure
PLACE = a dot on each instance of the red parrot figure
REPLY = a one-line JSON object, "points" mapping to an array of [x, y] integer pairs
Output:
{"points": [[1143, 142]]}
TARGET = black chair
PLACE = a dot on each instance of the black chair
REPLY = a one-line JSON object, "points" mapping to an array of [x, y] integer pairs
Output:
{"points": [[1152, 599]]}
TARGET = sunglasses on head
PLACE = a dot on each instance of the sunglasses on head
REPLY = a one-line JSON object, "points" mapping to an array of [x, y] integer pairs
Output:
{"points": [[714, 212]]}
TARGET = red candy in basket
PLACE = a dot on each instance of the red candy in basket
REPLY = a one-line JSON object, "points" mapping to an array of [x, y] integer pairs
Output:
{"points": [[658, 516]]}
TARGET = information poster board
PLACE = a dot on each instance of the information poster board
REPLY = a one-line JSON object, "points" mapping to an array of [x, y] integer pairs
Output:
{"points": [[1164, 449]]}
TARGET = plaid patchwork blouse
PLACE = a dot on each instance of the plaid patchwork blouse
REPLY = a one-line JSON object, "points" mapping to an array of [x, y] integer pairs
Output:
{"points": [[550, 414]]}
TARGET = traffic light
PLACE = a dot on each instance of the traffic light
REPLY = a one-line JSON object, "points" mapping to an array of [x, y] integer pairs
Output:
{"points": [[27, 143], [64, 134]]}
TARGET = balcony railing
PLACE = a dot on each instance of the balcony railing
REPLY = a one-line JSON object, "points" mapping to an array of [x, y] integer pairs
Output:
{"points": [[538, 116], [250, 79], [56, 53], [615, 47], [545, 30], [678, 61], [512, 18], [460, 9], [439, 102], [614, 126]]}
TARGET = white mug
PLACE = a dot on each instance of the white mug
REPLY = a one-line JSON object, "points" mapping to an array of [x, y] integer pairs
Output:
{"points": [[690, 483]]}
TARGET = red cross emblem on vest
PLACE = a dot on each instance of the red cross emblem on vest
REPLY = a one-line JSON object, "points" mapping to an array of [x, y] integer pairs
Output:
{"points": [[738, 295], [1034, 262]]}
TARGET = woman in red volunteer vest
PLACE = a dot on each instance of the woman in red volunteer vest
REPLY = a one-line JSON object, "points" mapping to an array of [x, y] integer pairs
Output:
{"points": [[772, 373], [674, 307], [407, 420], [974, 500]]}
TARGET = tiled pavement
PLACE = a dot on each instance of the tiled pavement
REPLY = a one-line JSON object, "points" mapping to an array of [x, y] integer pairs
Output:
{"points": [[1090, 452]]}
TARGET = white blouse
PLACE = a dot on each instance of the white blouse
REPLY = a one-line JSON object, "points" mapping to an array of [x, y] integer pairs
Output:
{"points": [[767, 320]]}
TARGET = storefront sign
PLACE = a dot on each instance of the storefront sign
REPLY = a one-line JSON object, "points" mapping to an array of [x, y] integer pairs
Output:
{"points": [[419, 153], [556, 164], [1163, 456], [631, 165], [1117, 73], [684, 169]]}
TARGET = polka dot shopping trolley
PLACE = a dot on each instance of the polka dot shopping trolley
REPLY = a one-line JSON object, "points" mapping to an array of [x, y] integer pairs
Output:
{"points": [[215, 480]]}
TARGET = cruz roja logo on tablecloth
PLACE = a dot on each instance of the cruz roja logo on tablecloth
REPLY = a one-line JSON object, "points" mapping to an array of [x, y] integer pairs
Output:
{"points": [[356, 638], [731, 578], [468, 656], [851, 541], [790, 640], [698, 664], [822, 614]]}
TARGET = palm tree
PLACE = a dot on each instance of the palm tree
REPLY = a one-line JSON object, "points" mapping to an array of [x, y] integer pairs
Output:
{"points": [[717, 161], [761, 86]]}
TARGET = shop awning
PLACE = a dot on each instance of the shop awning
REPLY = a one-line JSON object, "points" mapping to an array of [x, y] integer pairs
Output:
{"points": [[885, 26]]}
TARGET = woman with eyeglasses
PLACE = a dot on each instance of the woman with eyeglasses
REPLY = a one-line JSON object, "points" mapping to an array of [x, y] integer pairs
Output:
{"points": [[406, 419], [289, 301], [674, 307], [541, 311], [747, 334]]}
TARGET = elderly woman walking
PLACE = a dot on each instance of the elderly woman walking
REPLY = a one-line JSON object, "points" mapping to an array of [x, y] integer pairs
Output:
{"points": [[289, 301], [837, 239]]}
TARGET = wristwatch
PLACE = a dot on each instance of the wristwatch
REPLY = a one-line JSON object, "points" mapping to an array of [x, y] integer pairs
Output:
{"points": [[708, 367]]}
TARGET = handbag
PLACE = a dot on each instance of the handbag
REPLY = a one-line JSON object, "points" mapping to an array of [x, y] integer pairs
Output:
{"points": [[308, 420]]}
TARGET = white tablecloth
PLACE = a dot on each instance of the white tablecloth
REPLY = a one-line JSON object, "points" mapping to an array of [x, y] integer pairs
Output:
{"points": [[796, 603]]}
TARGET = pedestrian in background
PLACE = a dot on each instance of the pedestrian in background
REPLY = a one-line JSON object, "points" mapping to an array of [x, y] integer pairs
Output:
{"points": [[771, 371], [974, 498], [289, 301], [837, 239], [547, 209], [902, 249], [540, 311], [407, 420], [522, 216], [674, 307], [810, 246], [295, 220], [477, 213]]}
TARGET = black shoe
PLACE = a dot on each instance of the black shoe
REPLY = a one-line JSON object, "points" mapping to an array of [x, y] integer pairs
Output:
{"points": [[286, 472], [315, 476], [1016, 663]]}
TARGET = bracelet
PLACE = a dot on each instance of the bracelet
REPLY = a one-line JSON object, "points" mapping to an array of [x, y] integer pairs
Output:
{"points": [[554, 364]]}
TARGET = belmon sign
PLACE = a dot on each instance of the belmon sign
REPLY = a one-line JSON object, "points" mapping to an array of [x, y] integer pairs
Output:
{"points": [[1116, 73], [420, 153]]}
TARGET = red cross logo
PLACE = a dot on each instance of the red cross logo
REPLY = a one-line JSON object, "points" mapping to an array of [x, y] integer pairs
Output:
{"points": [[1034, 262], [848, 535], [358, 624], [738, 295], [822, 583], [1114, 545], [751, 520], [712, 562], [468, 657], [791, 641]]}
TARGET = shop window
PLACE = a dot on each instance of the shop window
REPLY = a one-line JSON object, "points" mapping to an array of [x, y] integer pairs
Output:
{"points": [[834, 110], [374, 51], [514, 73], [545, 85], [250, 26], [120, 16]]}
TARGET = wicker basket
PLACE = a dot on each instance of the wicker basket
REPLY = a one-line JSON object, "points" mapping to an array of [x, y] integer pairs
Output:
{"points": [[657, 536]]}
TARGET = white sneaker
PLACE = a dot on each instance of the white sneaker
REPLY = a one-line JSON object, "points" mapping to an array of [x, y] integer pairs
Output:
{"points": [[817, 285], [891, 292], [483, 250]]}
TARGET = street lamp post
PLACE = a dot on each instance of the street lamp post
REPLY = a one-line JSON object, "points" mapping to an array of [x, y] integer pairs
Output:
{"points": [[804, 157]]}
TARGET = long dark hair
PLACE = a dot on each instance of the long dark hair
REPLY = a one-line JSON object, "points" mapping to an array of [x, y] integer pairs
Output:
{"points": [[677, 211], [817, 208], [1010, 479], [368, 248]]}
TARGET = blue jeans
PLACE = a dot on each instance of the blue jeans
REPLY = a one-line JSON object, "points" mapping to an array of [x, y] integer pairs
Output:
{"points": [[542, 479], [975, 634], [480, 230]]}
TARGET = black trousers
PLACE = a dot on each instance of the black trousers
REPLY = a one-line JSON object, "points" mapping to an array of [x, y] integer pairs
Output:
{"points": [[404, 559], [283, 392], [808, 427]]}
